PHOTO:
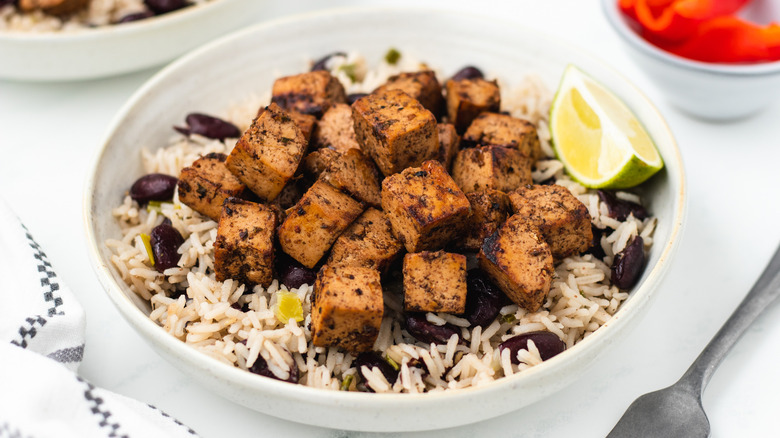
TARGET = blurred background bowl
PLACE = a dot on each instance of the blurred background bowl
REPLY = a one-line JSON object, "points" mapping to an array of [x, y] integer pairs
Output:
{"points": [[705, 90], [115, 49]]}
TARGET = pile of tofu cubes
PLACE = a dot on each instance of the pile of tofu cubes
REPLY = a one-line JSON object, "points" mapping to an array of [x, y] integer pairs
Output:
{"points": [[349, 188]]}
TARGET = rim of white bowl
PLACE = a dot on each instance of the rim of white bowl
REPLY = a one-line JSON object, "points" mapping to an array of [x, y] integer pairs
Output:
{"points": [[140, 321], [125, 29], [621, 27]]}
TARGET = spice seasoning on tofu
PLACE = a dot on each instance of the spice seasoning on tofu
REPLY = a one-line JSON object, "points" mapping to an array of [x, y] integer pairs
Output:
{"points": [[367, 246]]}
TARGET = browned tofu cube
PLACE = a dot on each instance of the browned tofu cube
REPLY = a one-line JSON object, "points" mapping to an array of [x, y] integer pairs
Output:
{"points": [[449, 143], [308, 93], [368, 242], [489, 209], [267, 155], [53, 7], [395, 130], [435, 282], [346, 308], [503, 130], [491, 167], [519, 261], [206, 184], [305, 122], [314, 223], [425, 206], [317, 162], [421, 85], [468, 98], [336, 129], [244, 248], [563, 220], [355, 174]]}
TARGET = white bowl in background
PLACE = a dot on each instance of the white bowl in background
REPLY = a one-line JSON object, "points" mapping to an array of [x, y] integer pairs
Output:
{"points": [[706, 90], [114, 49], [223, 73]]}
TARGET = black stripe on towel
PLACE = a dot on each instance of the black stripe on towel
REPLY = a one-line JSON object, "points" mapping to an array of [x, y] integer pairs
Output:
{"points": [[177, 422], [97, 408], [29, 330], [65, 355], [49, 281], [7, 432]]}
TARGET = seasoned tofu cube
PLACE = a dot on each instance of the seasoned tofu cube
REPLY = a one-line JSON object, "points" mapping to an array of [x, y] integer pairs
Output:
{"points": [[395, 130], [421, 85], [519, 261], [305, 122], [468, 98], [346, 308], [503, 130], [244, 248], [356, 175], [267, 155], [491, 167], [336, 129], [425, 206], [563, 220], [368, 242], [206, 184], [317, 162], [314, 223], [53, 7], [435, 282], [308, 93], [489, 209], [449, 143]]}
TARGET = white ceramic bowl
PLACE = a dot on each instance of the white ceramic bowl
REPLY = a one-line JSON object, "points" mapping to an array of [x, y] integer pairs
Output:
{"points": [[222, 73], [115, 49], [706, 90]]}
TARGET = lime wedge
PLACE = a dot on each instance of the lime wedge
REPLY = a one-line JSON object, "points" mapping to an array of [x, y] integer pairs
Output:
{"points": [[599, 140]]}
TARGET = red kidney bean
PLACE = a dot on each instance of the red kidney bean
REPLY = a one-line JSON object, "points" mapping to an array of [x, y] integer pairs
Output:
{"points": [[468, 72], [209, 126], [548, 344], [7, 2], [136, 17], [483, 299], [595, 245], [165, 241], [372, 359], [321, 64], [351, 98], [164, 6], [261, 367], [153, 187], [293, 274], [628, 264], [619, 209], [424, 331]]}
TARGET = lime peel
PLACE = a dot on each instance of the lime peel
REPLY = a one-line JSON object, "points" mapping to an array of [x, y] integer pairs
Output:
{"points": [[596, 136]]}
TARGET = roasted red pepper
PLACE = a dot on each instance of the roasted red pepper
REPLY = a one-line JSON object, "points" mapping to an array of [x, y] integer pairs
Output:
{"points": [[704, 30]]}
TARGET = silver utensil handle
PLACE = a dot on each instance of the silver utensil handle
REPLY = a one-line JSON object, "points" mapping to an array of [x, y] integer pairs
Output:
{"points": [[764, 291]]}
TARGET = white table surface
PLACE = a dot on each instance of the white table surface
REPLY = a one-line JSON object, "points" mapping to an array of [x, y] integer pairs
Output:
{"points": [[49, 132]]}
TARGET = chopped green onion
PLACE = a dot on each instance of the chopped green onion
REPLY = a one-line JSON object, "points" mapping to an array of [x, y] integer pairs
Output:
{"points": [[509, 317], [392, 56], [350, 70], [288, 305], [148, 245], [392, 363], [154, 205], [347, 382]]}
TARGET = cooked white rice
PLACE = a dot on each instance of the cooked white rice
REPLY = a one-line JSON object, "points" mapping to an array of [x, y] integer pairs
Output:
{"points": [[580, 301], [98, 13]]}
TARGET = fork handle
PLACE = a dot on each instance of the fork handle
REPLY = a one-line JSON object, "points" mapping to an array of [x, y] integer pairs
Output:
{"points": [[764, 291]]}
